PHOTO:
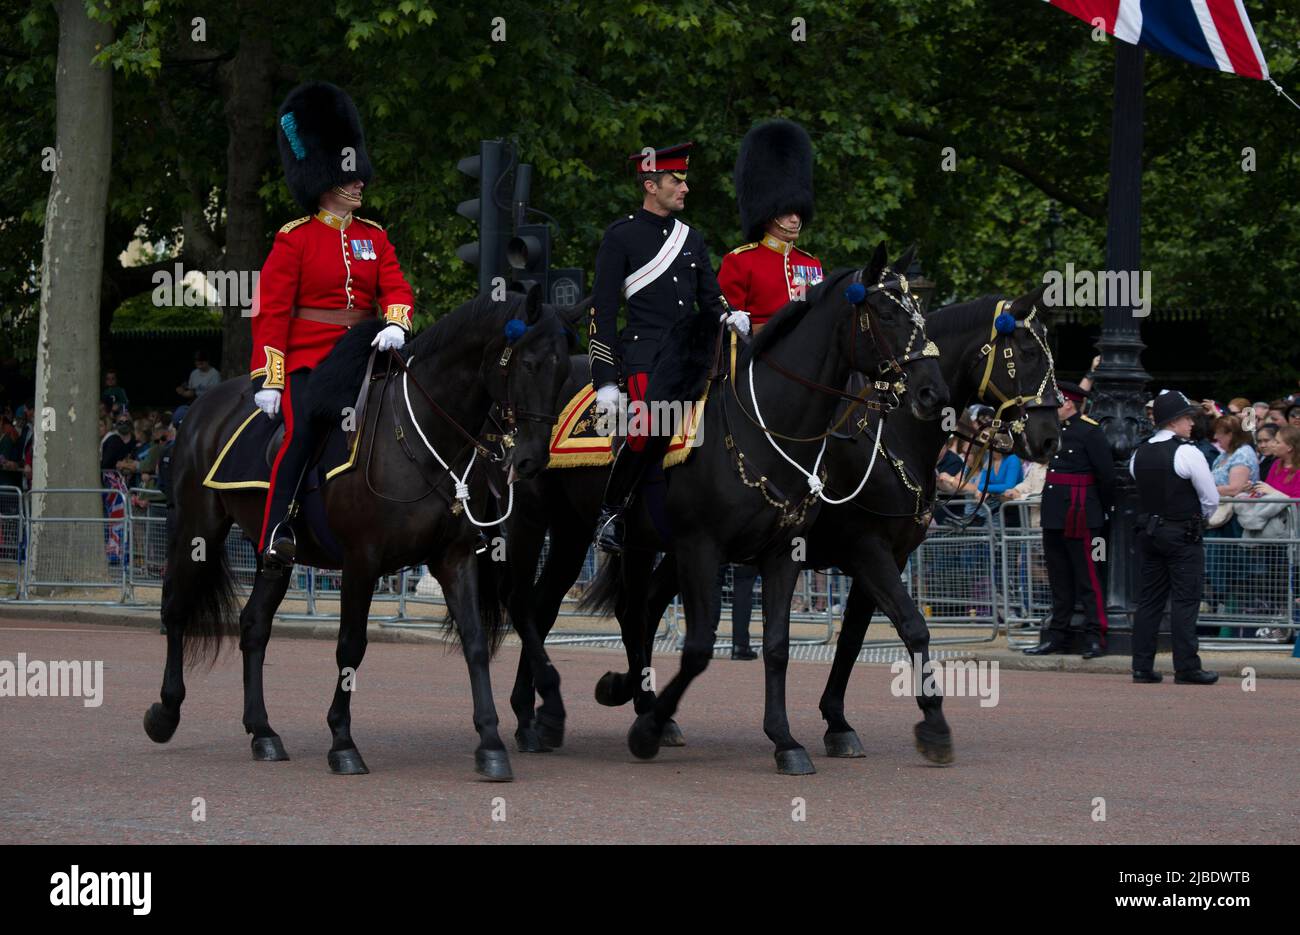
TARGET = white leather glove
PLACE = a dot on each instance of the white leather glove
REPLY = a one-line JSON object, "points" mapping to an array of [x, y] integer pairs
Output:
{"points": [[268, 401], [391, 338], [738, 321], [607, 401]]}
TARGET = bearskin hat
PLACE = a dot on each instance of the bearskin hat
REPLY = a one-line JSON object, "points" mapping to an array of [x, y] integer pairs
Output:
{"points": [[773, 175], [317, 122]]}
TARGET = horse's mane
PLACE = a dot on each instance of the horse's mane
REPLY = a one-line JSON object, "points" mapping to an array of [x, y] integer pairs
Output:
{"points": [[473, 313], [961, 316], [790, 315]]}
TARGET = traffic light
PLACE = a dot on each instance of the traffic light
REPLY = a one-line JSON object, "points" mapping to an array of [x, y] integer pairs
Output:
{"points": [[529, 254], [489, 167]]}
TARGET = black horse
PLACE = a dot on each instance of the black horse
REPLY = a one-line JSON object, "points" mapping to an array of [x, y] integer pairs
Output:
{"points": [[752, 489], [869, 537], [398, 507]]}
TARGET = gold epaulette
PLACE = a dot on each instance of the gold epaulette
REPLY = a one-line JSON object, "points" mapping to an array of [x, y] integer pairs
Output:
{"points": [[1090, 420], [368, 221], [292, 224], [744, 247]]}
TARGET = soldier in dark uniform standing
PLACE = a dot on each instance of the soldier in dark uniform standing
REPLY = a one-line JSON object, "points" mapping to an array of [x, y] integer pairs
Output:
{"points": [[661, 267], [1176, 494], [1076, 500]]}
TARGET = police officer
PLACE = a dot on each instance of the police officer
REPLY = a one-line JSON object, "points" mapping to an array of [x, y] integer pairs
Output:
{"points": [[1176, 493], [1077, 497], [661, 267], [326, 272], [775, 195]]}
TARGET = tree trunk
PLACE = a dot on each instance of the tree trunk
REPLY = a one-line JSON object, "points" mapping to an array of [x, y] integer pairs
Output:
{"points": [[67, 361], [248, 83], [66, 452]]}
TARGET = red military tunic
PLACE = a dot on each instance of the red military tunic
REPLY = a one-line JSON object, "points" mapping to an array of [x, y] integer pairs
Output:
{"points": [[762, 277], [321, 262]]}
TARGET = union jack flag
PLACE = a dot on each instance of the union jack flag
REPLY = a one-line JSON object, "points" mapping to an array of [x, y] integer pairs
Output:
{"points": [[1210, 33]]}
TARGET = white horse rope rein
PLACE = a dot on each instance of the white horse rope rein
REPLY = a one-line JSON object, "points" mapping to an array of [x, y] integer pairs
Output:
{"points": [[814, 482], [462, 482]]}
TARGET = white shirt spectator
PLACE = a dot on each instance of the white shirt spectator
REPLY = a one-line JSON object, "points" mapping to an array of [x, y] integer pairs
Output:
{"points": [[200, 382], [1191, 465]]}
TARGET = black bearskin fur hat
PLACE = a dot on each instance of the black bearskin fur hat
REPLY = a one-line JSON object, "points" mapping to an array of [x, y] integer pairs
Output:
{"points": [[773, 175], [316, 122]]}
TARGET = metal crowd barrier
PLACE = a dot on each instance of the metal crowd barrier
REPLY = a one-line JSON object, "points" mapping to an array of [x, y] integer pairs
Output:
{"points": [[1252, 585], [98, 546]]}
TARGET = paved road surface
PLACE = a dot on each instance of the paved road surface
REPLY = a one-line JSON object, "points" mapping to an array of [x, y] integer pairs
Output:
{"points": [[1173, 763]]}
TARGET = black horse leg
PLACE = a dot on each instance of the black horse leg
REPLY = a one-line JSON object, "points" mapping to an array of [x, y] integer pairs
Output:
{"points": [[779, 577], [162, 718], [563, 564], [933, 736], [354, 614], [639, 681], [841, 739], [526, 535], [697, 570], [254, 633], [458, 574], [663, 588]]}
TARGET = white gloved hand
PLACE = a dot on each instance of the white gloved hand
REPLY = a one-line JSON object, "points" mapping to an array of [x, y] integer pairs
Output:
{"points": [[268, 401], [738, 321], [607, 401], [391, 338]]}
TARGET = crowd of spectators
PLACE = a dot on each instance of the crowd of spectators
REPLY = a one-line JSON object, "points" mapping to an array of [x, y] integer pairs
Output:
{"points": [[1253, 451]]}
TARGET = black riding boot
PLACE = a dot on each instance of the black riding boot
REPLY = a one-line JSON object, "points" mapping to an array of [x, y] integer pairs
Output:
{"points": [[624, 478]]}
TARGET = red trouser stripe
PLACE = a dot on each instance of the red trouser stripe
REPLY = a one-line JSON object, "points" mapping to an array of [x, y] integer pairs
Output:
{"points": [[636, 386], [286, 407], [1096, 587]]}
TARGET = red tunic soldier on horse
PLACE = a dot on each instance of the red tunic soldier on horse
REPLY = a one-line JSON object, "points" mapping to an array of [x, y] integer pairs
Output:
{"points": [[326, 272]]}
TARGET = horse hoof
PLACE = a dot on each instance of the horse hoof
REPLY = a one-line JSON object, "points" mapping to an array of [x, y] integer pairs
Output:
{"points": [[493, 765], [607, 690], [672, 735], [934, 745], [528, 740], [347, 762], [794, 762], [843, 743], [159, 723], [269, 749], [644, 738], [551, 732]]}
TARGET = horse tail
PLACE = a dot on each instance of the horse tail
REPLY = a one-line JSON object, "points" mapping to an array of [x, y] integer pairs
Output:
{"points": [[601, 596], [214, 608]]}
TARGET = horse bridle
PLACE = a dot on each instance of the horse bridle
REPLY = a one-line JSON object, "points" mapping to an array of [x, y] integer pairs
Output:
{"points": [[992, 436], [510, 415]]}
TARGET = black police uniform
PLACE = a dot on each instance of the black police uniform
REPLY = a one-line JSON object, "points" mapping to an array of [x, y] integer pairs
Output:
{"points": [[1172, 556], [1077, 496]]}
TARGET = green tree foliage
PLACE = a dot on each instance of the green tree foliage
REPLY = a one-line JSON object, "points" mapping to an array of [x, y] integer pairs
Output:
{"points": [[1020, 91]]}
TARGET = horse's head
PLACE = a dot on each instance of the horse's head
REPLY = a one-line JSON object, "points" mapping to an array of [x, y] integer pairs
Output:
{"points": [[1015, 376], [524, 370], [890, 334]]}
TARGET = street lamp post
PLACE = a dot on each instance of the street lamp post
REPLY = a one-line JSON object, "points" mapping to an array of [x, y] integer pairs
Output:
{"points": [[1119, 390]]}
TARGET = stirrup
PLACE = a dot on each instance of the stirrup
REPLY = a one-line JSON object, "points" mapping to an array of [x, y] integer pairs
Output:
{"points": [[278, 556], [609, 534]]}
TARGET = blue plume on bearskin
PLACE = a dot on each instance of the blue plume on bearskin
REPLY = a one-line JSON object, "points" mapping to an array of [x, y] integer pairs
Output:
{"points": [[323, 122], [681, 367], [336, 381], [774, 175]]}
